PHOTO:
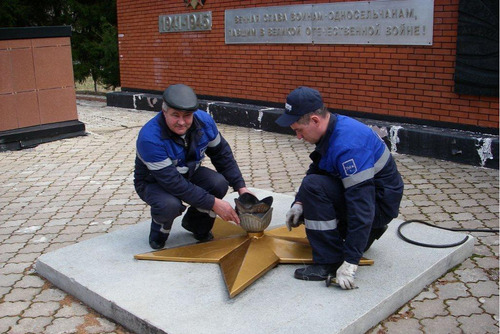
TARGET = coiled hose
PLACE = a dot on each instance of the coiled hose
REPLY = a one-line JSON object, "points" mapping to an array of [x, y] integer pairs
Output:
{"points": [[400, 234]]}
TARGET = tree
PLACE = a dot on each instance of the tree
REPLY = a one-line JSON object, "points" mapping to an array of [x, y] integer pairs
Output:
{"points": [[94, 34], [26, 13]]}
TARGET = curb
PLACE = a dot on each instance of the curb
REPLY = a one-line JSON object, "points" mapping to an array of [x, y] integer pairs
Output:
{"points": [[32, 136], [472, 148]]}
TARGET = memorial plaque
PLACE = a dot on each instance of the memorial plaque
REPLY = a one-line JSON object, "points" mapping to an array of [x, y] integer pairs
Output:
{"points": [[400, 22]]}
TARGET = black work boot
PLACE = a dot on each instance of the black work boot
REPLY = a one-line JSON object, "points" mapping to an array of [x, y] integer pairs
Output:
{"points": [[187, 224], [375, 233], [203, 237], [157, 236], [316, 272]]}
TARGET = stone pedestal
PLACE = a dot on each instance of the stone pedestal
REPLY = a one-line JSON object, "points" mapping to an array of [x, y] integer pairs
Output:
{"points": [[180, 297], [37, 93]]}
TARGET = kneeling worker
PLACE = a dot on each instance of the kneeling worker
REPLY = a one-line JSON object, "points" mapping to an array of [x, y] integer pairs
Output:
{"points": [[351, 190], [168, 170]]}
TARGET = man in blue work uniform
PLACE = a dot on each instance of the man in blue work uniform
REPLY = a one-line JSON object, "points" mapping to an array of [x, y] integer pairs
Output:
{"points": [[168, 172], [350, 193]]}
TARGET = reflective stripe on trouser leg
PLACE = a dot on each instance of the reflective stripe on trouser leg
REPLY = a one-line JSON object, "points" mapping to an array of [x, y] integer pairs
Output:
{"points": [[161, 227], [323, 201]]}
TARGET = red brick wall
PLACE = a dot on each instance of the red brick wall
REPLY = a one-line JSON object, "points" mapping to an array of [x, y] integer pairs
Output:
{"points": [[405, 81]]}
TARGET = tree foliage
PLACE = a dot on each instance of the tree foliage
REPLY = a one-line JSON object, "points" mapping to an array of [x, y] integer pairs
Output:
{"points": [[94, 33]]}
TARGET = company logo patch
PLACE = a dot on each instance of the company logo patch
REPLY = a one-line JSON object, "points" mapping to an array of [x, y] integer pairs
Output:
{"points": [[288, 107], [349, 167], [194, 3]]}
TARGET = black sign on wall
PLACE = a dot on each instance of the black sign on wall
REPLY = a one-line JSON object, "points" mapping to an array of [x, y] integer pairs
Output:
{"points": [[476, 70]]}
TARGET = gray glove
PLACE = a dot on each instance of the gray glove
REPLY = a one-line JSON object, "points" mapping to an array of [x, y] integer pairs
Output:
{"points": [[209, 212], [294, 216], [345, 275]]}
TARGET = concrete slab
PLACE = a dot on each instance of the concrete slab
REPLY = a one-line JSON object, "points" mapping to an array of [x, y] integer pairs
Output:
{"points": [[180, 298]]}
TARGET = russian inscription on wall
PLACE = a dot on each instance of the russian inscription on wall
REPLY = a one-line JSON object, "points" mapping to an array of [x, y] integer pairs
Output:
{"points": [[200, 21], [401, 22]]}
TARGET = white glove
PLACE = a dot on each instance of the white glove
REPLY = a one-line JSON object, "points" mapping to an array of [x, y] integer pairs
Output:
{"points": [[293, 216], [345, 275]]}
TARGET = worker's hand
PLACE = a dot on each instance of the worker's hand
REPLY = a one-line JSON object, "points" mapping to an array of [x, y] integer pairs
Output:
{"points": [[225, 211], [293, 216], [345, 275], [243, 190]]}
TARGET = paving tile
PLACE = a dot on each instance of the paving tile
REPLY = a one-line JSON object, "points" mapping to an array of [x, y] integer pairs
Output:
{"points": [[41, 309], [478, 324], [11, 309], [30, 325], [7, 322], [9, 280], [73, 309], [483, 288], [428, 308], [463, 306], [96, 325], [50, 295], [483, 250], [407, 326], [452, 290], [429, 293], [21, 294], [472, 275], [11, 247], [64, 325], [441, 325], [490, 305]]}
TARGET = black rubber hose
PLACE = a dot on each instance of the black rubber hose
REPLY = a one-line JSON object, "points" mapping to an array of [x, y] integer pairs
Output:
{"points": [[443, 228]]}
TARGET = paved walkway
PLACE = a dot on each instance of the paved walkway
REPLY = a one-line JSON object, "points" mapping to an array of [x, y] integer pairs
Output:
{"points": [[63, 192]]}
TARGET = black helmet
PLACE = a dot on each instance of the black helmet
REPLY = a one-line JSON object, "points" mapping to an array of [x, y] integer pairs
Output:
{"points": [[180, 97]]}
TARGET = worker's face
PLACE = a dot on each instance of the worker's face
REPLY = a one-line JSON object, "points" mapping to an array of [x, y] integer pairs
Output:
{"points": [[310, 132], [178, 121]]}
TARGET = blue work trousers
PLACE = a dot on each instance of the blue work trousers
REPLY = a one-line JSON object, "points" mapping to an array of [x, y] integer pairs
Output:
{"points": [[325, 216], [165, 207]]}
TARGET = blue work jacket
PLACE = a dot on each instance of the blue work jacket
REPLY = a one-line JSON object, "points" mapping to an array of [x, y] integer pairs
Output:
{"points": [[353, 152], [166, 158]]}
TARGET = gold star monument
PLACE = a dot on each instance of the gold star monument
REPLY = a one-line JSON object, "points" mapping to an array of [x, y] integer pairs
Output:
{"points": [[243, 256]]}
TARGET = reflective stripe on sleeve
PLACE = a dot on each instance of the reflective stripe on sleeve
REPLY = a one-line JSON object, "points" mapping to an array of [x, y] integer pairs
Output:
{"points": [[367, 173], [358, 177], [215, 142], [321, 225], [156, 165], [382, 160]]}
